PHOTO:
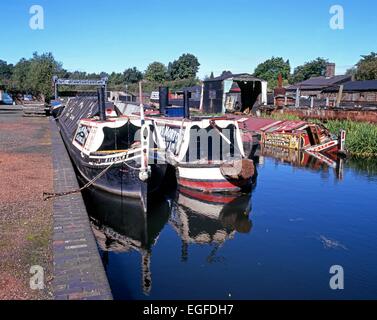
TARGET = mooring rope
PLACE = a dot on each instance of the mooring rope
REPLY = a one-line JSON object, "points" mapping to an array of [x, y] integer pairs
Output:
{"points": [[49, 195]]}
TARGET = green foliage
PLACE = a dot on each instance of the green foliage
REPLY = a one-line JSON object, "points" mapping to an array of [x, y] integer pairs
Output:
{"points": [[6, 71], [116, 81], [270, 70], [150, 86], [366, 68], [361, 136], [20, 74], [42, 68], [186, 67], [132, 75], [156, 71], [310, 69], [351, 71], [35, 75]]}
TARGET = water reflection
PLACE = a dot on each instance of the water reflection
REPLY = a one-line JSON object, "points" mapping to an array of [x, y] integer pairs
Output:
{"points": [[296, 158], [179, 229], [121, 225]]}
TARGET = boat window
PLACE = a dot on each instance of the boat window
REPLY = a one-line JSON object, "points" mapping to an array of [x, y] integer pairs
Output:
{"points": [[120, 138]]}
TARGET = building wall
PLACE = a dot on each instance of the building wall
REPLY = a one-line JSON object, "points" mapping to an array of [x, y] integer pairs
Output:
{"points": [[359, 97]]}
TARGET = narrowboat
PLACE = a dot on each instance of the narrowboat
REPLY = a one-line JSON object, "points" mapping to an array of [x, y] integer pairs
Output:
{"points": [[207, 152], [111, 153]]}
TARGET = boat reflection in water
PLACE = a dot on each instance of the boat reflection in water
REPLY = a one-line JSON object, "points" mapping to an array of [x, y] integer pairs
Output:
{"points": [[297, 158], [120, 225], [201, 218]]}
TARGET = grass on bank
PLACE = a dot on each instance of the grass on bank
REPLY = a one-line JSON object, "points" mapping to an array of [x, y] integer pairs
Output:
{"points": [[361, 138]]}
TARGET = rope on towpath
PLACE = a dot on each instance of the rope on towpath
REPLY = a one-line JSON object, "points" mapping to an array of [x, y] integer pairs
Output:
{"points": [[50, 195]]}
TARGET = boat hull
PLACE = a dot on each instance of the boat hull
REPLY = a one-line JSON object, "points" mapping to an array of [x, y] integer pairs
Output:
{"points": [[120, 179], [209, 179]]}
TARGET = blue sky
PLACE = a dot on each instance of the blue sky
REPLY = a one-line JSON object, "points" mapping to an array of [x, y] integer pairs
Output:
{"points": [[236, 35]]}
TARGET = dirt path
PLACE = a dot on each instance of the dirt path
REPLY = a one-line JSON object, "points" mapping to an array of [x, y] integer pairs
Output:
{"points": [[25, 220]]}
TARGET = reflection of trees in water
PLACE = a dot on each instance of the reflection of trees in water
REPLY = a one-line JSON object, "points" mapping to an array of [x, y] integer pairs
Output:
{"points": [[363, 166]]}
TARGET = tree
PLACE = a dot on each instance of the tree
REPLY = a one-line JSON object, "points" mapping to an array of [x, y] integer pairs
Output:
{"points": [[20, 75], [270, 70], [103, 74], [310, 69], [132, 75], [116, 80], [6, 71], [351, 71], [35, 75], [366, 68], [156, 71], [211, 76], [42, 68], [186, 67]]}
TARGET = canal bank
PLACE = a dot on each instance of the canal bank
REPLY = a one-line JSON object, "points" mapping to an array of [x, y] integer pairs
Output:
{"points": [[78, 270], [25, 219], [54, 235]]}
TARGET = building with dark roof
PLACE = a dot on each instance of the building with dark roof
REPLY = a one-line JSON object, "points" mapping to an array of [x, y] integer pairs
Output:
{"points": [[361, 93], [314, 86], [233, 92]]}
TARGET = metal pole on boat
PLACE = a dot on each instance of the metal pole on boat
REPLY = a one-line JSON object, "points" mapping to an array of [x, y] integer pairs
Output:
{"points": [[163, 99], [101, 103], [55, 80], [186, 103], [141, 103]]}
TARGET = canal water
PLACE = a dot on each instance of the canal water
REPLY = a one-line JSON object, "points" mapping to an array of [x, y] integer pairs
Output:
{"points": [[302, 218]]}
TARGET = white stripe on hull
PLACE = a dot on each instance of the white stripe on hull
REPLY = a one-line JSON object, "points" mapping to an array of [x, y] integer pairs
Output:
{"points": [[201, 173]]}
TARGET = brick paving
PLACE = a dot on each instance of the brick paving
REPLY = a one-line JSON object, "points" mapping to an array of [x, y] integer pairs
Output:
{"points": [[78, 270]]}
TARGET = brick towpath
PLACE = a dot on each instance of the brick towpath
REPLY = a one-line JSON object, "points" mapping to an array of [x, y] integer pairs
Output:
{"points": [[78, 269], [25, 220]]}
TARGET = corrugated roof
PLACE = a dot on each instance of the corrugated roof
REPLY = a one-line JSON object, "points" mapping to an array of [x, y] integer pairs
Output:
{"points": [[366, 85], [319, 82]]}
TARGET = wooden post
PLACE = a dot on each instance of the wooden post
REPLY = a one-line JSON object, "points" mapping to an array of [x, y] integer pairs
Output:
{"points": [[311, 102], [339, 97], [297, 105], [201, 98]]}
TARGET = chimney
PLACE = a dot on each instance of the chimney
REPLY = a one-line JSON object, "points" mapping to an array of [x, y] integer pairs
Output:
{"points": [[330, 70]]}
